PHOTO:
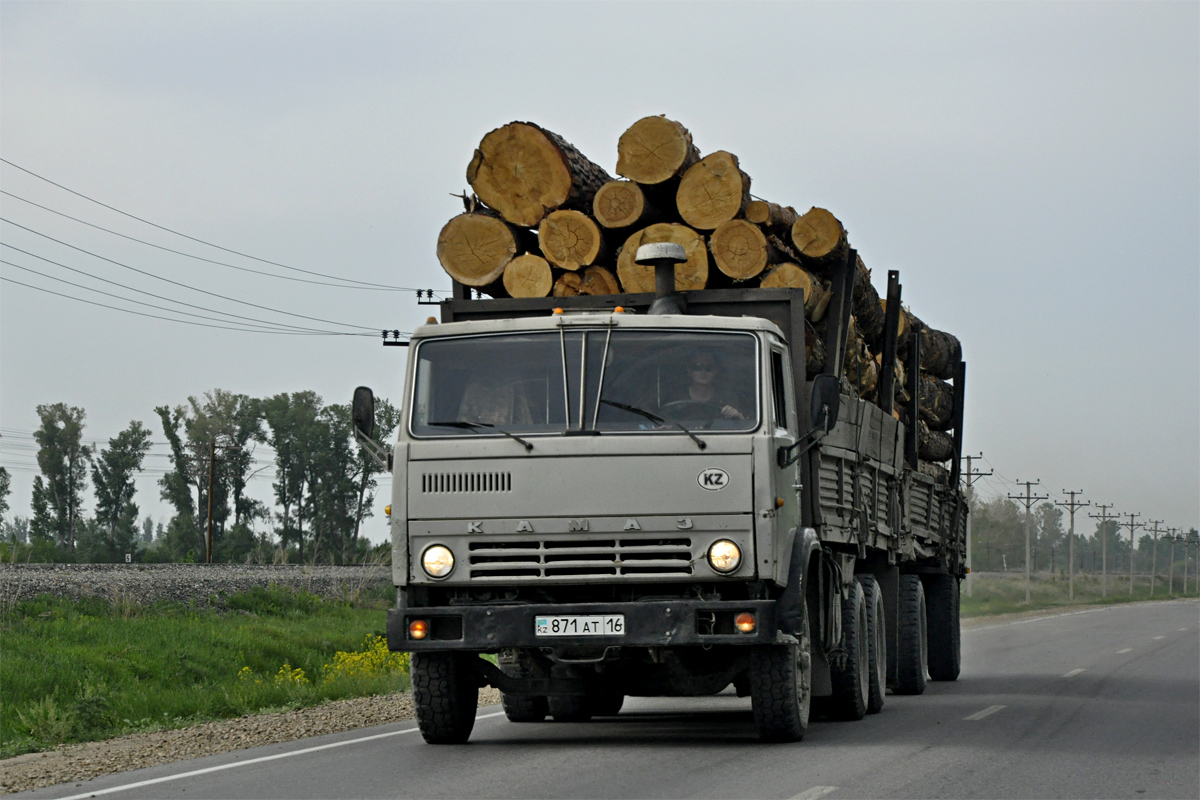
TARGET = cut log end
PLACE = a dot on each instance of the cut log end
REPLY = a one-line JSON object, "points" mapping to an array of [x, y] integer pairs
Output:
{"points": [[793, 276], [474, 249], [619, 204], [818, 234], [598, 280], [739, 249], [712, 191], [570, 239], [568, 284], [690, 275], [655, 149], [528, 276]]}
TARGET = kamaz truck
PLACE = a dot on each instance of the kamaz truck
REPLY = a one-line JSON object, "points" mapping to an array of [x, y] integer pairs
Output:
{"points": [[579, 514]]}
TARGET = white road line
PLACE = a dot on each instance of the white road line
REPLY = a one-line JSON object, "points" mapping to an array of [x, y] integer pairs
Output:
{"points": [[248, 762], [1156, 638], [987, 712], [1183, 629], [1072, 673], [1126, 650], [815, 793]]}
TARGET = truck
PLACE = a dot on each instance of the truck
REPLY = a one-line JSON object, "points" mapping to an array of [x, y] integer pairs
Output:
{"points": [[599, 497]]}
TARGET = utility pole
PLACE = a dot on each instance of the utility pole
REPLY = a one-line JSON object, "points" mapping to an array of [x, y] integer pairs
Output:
{"points": [[1173, 536], [970, 476], [1104, 518], [1154, 557], [1072, 505], [1029, 499], [1132, 527], [1196, 578]]}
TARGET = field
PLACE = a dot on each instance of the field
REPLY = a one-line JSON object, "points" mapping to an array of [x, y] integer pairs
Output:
{"points": [[1004, 592]]}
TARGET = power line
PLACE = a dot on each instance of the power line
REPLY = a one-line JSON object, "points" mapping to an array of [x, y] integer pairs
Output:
{"points": [[201, 258], [1029, 500], [184, 285], [1073, 505], [200, 241]]}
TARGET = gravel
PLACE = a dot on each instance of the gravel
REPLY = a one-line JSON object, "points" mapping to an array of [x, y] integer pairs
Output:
{"points": [[81, 762]]}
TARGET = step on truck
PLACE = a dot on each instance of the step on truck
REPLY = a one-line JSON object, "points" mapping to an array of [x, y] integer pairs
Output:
{"points": [[646, 495]]}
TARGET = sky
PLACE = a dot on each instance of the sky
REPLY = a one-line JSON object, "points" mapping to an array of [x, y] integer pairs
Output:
{"points": [[1032, 169]]}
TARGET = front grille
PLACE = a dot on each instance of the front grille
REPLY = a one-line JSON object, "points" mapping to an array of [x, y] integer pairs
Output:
{"points": [[464, 482], [576, 558]]}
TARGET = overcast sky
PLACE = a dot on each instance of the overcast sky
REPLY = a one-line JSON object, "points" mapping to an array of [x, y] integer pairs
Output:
{"points": [[1033, 171]]}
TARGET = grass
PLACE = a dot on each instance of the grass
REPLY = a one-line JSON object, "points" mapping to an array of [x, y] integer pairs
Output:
{"points": [[1004, 592], [80, 671]]}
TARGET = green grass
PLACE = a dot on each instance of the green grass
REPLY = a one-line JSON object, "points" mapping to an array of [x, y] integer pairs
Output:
{"points": [[1004, 593], [78, 671]]}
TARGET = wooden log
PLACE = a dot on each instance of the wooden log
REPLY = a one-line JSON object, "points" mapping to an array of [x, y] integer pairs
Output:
{"points": [[904, 327], [623, 205], [528, 275], [859, 365], [814, 351], [474, 248], [598, 280], [774, 218], [933, 445], [940, 352], [567, 285], [654, 150], [793, 276], [570, 239], [899, 381], [712, 191], [937, 402], [935, 471], [820, 239], [740, 249], [867, 306], [691, 275], [524, 172]]}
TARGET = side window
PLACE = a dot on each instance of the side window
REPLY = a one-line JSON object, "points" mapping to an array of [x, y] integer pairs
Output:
{"points": [[779, 392]]}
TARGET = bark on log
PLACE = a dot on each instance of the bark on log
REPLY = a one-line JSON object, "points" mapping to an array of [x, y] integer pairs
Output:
{"points": [[655, 149], [568, 284], [933, 445], [935, 471], [820, 239], [940, 352], [859, 365], [691, 275], [814, 351], [740, 249], [598, 280], [866, 308], [528, 276], [775, 218], [570, 239], [904, 327], [899, 381], [793, 276], [475, 248], [621, 205], [712, 191], [524, 172], [937, 402]]}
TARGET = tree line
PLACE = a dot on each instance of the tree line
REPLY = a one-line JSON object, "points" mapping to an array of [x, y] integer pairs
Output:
{"points": [[323, 486]]}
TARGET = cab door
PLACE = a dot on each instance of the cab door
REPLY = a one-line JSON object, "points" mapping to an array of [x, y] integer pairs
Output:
{"points": [[784, 434]]}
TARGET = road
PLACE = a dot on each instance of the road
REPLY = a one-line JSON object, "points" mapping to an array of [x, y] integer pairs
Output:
{"points": [[1098, 703]]}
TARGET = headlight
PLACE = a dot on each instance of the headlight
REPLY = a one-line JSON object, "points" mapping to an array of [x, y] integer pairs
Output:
{"points": [[724, 556], [437, 560]]}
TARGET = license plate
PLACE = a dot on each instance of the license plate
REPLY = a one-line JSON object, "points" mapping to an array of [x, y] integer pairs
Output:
{"points": [[579, 625]]}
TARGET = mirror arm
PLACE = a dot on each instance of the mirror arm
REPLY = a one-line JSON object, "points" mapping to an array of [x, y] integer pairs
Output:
{"points": [[380, 455], [791, 454]]}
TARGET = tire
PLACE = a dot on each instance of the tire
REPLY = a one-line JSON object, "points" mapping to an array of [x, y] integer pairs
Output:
{"points": [[607, 705], [877, 641], [446, 696], [852, 680], [945, 639], [570, 707], [781, 687], [912, 654], [524, 708]]}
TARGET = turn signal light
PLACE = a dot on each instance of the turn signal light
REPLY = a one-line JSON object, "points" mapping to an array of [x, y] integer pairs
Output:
{"points": [[388, 509], [745, 622], [619, 310], [558, 311], [779, 502], [418, 629]]}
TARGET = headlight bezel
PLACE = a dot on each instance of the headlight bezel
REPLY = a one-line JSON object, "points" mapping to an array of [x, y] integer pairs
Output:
{"points": [[425, 561], [713, 560]]}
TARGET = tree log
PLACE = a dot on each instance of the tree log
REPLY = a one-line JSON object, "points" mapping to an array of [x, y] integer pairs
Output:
{"points": [[775, 218], [740, 249], [528, 276], [933, 445], [570, 239], [904, 326], [867, 308], [937, 402], [859, 365], [712, 191], [691, 275], [814, 351], [899, 380], [792, 276], [524, 172], [475, 248], [940, 352], [598, 280], [655, 149], [568, 284], [935, 471], [820, 239], [621, 205]]}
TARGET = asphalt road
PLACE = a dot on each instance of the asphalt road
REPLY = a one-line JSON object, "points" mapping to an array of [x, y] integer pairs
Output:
{"points": [[1100, 703]]}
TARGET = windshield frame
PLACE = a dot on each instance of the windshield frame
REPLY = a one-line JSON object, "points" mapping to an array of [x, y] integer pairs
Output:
{"points": [[569, 429]]}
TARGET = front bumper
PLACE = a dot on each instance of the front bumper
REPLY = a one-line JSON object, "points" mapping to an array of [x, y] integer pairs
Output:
{"points": [[651, 623]]}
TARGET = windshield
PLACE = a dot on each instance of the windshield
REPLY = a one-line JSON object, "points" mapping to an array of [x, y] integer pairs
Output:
{"points": [[589, 380]]}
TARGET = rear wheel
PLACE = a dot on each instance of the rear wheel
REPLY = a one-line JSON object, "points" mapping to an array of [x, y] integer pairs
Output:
{"points": [[877, 639], [912, 655], [852, 680], [945, 640], [607, 705], [781, 687], [524, 708], [446, 696], [570, 707]]}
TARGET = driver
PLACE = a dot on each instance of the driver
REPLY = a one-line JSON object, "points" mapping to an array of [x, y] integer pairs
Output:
{"points": [[706, 387]]}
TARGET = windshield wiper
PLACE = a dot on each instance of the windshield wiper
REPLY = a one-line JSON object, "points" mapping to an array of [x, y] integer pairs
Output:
{"points": [[458, 423], [655, 418]]}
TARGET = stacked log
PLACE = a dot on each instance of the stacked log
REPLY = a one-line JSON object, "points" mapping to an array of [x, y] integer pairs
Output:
{"points": [[545, 220]]}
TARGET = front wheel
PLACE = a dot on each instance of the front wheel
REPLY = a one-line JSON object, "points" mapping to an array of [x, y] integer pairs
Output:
{"points": [[781, 687], [446, 696], [607, 705]]}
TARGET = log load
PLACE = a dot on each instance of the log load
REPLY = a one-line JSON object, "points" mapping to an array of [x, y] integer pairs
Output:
{"points": [[654, 150], [592, 281], [793, 276], [867, 307], [621, 205], [820, 239], [933, 445], [940, 352], [814, 351], [474, 248], [740, 249], [712, 191], [690, 275], [525, 171], [570, 239], [528, 275], [937, 402], [774, 218]]}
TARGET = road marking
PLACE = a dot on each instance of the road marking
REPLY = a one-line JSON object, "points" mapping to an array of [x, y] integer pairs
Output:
{"points": [[1183, 629], [248, 762], [1072, 673], [1156, 638], [1126, 650], [815, 793], [987, 712]]}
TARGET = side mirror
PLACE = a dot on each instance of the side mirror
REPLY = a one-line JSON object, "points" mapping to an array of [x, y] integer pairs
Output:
{"points": [[363, 411], [826, 402]]}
